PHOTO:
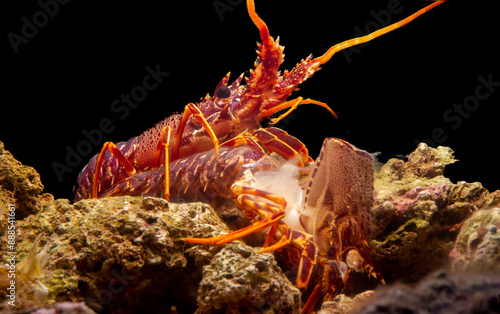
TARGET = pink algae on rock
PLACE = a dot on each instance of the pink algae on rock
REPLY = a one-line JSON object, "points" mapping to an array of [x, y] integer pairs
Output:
{"points": [[419, 212]]}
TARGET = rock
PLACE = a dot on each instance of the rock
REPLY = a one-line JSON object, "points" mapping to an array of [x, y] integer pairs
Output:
{"points": [[425, 167], [65, 308], [474, 194], [117, 252], [240, 280], [440, 292], [344, 304], [477, 247], [419, 213], [19, 185], [123, 253]]}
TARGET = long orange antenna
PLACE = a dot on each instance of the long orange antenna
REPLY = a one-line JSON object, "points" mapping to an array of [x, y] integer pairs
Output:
{"points": [[261, 25], [359, 40]]}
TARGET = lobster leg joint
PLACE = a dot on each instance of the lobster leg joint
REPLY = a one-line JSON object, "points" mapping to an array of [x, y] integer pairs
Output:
{"points": [[166, 164], [192, 110], [129, 168]]}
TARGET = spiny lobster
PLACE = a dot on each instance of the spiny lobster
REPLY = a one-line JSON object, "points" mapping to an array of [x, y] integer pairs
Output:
{"points": [[334, 220]]}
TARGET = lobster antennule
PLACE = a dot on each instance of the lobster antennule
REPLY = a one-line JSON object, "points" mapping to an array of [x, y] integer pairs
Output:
{"points": [[359, 40]]}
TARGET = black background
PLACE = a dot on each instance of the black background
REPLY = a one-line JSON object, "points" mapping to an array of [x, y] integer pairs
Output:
{"points": [[390, 95]]}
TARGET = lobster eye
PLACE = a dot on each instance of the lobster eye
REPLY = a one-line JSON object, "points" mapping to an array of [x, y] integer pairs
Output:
{"points": [[223, 92]]}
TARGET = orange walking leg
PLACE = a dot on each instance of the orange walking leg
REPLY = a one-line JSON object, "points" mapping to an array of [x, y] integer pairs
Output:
{"points": [[312, 300], [163, 145], [109, 146], [192, 110], [269, 213]]}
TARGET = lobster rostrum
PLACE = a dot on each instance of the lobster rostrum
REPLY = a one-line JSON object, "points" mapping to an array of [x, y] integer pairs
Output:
{"points": [[218, 118]]}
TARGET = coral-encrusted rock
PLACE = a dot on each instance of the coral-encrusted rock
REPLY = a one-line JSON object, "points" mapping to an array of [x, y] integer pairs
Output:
{"points": [[425, 167], [238, 280], [124, 254], [419, 212], [478, 245], [19, 185], [119, 253], [440, 292]]}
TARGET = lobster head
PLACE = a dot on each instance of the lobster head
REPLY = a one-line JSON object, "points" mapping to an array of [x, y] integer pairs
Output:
{"points": [[338, 202], [236, 107]]}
